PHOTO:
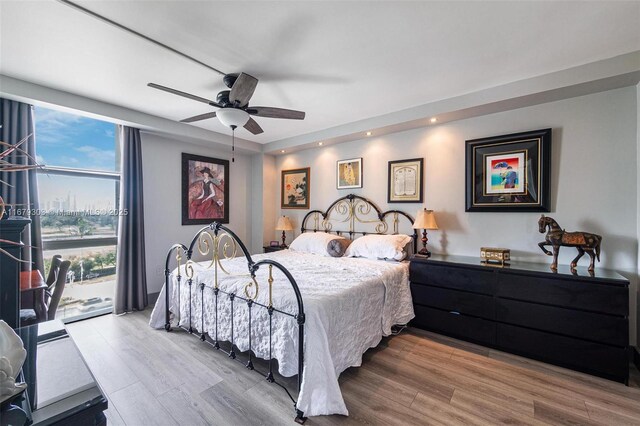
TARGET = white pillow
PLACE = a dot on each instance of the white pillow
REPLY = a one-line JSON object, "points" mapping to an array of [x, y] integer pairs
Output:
{"points": [[379, 247], [313, 242]]}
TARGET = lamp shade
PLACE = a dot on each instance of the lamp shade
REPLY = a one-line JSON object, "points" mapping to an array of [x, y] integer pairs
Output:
{"points": [[284, 224], [232, 117], [425, 219]]}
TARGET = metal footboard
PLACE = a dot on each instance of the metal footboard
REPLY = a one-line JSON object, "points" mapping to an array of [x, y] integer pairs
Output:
{"points": [[218, 242]]}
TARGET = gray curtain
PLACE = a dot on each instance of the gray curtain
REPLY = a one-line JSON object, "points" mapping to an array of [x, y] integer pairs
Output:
{"points": [[131, 285], [17, 123]]}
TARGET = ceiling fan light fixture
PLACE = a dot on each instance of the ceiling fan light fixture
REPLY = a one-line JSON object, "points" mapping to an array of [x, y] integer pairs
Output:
{"points": [[232, 117]]}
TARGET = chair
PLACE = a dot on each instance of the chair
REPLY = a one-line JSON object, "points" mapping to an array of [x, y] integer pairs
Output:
{"points": [[58, 288], [53, 270], [58, 271]]}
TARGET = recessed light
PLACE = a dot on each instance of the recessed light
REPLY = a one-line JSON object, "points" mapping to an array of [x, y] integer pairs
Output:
{"points": [[368, 133], [433, 119], [320, 143], [283, 151]]}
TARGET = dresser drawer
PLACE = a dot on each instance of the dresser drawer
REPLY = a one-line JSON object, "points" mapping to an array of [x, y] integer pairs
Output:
{"points": [[457, 325], [593, 297], [462, 302], [607, 329], [474, 280], [595, 358]]}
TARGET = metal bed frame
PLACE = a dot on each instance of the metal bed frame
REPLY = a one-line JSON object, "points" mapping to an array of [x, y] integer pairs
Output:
{"points": [[218, 242], [353, 209]]}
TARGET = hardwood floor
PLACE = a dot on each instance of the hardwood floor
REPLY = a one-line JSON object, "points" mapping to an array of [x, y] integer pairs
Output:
{"points": [[156, 378]]}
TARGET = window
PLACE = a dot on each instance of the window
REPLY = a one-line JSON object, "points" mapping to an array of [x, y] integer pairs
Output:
{"points": [[79, 189]]}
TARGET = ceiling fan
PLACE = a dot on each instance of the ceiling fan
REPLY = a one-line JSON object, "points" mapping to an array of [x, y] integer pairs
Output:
{"points": [[234, 104]]}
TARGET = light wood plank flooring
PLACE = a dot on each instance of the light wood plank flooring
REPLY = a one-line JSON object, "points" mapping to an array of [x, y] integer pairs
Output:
{"points": [[156, 378]]}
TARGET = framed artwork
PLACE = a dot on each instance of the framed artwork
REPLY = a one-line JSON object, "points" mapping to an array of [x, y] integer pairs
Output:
{"points": [[405, 181], [509, 173], [205, 190], [349, 174], [295, 189]]}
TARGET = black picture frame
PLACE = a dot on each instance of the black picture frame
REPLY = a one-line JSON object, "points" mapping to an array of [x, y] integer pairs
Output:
{"points": [[192, 177], [419, 180], [525, 188]]}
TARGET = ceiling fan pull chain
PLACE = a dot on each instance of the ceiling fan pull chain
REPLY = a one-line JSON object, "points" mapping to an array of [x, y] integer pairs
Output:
{"points": [[233, 144]]}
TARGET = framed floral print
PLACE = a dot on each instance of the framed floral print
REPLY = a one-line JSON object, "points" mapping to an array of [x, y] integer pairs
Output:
{"points": [[405, 181], [205, 190], [509, 173], [349, 174], [295, 189]]}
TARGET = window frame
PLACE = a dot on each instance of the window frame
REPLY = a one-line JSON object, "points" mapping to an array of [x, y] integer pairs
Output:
{"points": [[80, 173]]}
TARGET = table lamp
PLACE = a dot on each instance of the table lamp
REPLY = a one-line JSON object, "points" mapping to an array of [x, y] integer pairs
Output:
{"points": [[425, 219], [284, 225]]}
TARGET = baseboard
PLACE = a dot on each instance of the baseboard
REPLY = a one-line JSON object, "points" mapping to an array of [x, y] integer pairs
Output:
{"points": [[153, 297]]}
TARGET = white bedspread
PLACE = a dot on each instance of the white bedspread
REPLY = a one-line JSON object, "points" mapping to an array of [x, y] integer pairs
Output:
{"points": [[350, 303]]}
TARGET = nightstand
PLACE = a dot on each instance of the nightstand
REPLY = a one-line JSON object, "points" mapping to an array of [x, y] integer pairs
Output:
{"points": [[270, 249]]}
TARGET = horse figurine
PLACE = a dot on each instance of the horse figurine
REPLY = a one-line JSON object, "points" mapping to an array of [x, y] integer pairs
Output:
{"points": [[557, 237]]}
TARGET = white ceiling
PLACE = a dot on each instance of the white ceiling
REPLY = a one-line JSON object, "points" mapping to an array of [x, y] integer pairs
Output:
{"points": [[338, 61]]}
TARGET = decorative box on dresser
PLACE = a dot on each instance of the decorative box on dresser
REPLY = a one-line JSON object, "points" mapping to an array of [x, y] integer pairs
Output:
{"points": [[575, 321]]}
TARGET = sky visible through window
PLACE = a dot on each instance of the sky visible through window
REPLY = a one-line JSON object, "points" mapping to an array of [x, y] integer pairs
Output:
{"points": [[69, 140]]}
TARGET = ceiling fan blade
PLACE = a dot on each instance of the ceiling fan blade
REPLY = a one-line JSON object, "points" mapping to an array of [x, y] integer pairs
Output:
{"points": [[253, 126], [199, 117], [243, 89], [271, 112], [183, 94]]}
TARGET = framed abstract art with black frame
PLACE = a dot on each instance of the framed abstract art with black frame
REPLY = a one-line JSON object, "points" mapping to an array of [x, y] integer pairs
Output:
{"points": [[205, 190], [509, 173]]}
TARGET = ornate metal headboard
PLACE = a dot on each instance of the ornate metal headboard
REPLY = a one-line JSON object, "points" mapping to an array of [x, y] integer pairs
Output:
{"points": [[360, 215]]}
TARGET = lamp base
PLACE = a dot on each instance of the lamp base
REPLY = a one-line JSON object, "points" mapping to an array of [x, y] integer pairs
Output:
{"points": [[284, 237], [424, 252]]}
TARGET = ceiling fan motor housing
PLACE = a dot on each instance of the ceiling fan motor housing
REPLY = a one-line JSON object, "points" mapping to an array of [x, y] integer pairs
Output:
{"points": [[229, 79], [223, 98]]}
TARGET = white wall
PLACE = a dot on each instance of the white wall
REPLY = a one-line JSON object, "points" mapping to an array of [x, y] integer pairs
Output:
{"points": [[162, 199], [594, 178], [263, 212], [638, 204]]}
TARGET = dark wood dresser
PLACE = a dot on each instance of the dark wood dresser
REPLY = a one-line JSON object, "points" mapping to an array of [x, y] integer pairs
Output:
{"points": [[271, 249], [574, 321]]}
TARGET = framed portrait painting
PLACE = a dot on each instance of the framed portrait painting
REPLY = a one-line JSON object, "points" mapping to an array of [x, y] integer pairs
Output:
{"points": [[205, 190], [349, 174], [509, 173], [295, 189], [405, 181]]}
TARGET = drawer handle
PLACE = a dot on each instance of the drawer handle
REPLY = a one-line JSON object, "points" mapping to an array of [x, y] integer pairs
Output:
{"points": [[454, 312]]}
